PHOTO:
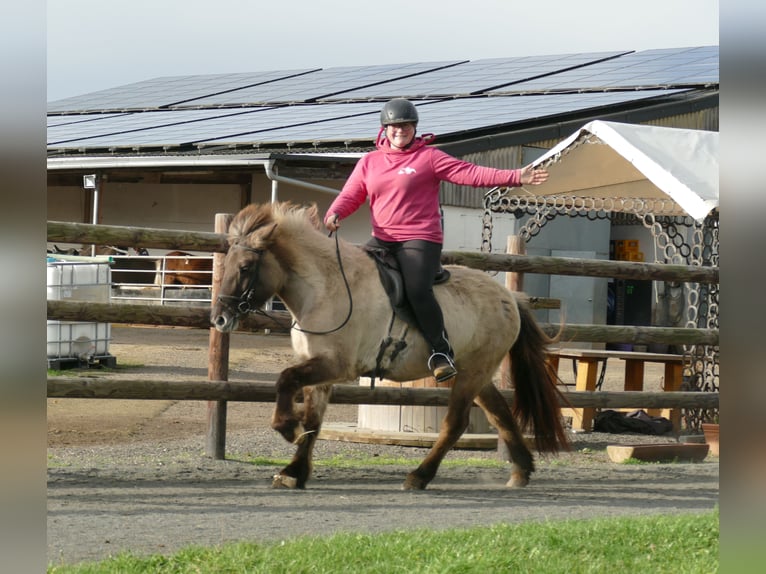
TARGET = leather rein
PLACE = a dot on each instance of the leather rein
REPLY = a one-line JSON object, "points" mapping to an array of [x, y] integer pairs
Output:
{"points": [[244, 303]]}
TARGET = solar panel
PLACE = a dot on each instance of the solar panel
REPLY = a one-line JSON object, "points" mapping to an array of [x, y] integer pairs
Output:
{"points": [[166, 91], [320, 84], [54, 121], [309, 124], [476, 76], [650, 68], [155, 129], [222, 109], [451, 116], [443, 117], [135, 122]]}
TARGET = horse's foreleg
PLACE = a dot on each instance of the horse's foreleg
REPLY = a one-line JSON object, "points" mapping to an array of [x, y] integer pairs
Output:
{"points": [[286, 420], [453, 426], [499, 416], [297, 473]]}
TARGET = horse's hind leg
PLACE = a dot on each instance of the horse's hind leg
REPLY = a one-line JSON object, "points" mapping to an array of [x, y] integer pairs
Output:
{"points": [[452, 427], [297, 473], [499, 415]]}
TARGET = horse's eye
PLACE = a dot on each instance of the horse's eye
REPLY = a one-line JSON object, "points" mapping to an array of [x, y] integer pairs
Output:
{"points": [[245, 269]]}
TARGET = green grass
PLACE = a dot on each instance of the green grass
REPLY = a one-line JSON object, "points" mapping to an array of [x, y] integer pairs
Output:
{"points": [[679, 544]]}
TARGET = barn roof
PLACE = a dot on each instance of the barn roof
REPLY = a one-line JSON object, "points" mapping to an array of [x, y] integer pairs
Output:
{"points": [[335, 110]]}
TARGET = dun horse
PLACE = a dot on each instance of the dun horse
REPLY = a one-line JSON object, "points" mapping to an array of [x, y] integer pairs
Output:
{"points": [[341, 315]]}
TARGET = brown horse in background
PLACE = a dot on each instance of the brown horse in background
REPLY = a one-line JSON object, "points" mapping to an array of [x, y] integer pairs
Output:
{"points": [[341, 315], [182, 268], [130, 265]]}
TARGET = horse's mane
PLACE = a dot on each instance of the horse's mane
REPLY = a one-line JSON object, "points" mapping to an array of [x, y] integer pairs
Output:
{"points": [[287, 215]]}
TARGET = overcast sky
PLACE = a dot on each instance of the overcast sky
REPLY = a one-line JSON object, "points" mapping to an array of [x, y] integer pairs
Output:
{"points": [[96, 44]]}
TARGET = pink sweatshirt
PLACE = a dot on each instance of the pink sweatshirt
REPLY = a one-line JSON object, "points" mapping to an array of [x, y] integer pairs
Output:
{"points": [[403, 188]]}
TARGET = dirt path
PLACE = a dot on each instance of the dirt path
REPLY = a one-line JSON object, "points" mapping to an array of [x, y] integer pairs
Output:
{"points": [[132, 475]]}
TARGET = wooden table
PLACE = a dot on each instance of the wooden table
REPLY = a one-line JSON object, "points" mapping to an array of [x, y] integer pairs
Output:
{"points": [[587, 363]]}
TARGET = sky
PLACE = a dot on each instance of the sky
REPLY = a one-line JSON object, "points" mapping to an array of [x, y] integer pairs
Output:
{"points": [[94, 45]]}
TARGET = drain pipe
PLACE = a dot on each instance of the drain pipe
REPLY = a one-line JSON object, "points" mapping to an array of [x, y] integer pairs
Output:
{"points": [[275, 179]]}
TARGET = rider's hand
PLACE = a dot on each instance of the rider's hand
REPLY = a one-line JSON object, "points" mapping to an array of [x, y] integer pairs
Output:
{"points": [[533, 176], [332, 223]]}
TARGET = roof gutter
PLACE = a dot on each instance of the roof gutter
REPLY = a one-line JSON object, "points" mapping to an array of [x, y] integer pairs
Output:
{"points": [[72, 163]]}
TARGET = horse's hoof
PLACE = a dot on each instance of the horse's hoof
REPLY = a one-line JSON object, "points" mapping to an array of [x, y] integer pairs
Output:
{"points": [[518, 480], [414, 483], [284, 481]]}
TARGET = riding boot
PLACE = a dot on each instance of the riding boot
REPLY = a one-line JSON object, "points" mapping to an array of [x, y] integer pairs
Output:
{"points": [[441, 366], [441, 363]]}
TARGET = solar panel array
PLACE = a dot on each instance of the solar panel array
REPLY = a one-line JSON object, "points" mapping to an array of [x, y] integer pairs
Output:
{"points": [[321, 106]]}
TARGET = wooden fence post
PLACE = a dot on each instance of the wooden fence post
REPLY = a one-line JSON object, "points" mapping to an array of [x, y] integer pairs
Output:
{"points": [[218, 359]]}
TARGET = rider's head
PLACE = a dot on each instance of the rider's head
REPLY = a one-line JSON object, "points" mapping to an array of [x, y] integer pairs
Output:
{"points": [[398, 111], [399, 118]]}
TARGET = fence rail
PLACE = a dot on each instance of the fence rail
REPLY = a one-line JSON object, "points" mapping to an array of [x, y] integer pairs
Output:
{"points": [[89, 388], [219, 391], [216, 242], [130, 313]]}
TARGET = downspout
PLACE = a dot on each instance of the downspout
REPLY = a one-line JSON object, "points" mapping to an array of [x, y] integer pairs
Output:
{"points": [[95, 208], [269, 167]]}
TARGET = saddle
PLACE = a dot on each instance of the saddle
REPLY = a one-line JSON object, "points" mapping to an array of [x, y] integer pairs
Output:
{"points": [[391, 278]]}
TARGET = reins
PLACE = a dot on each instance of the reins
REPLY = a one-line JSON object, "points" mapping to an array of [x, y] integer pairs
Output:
{"points": [[348, 292], [243, 303]]}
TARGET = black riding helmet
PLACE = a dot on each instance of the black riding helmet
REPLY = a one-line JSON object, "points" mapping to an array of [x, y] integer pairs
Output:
{"points": [[398, 111]]}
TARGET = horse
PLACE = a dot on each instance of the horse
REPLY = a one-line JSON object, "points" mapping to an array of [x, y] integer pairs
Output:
{"points": [[182, 268], [127, 268], [280, 249], [56, 250]]}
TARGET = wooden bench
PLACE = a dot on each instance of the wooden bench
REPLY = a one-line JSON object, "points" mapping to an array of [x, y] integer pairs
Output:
{"points": [[587, 378]]}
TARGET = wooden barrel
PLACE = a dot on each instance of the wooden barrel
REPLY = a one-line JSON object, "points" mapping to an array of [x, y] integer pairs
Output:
{"points": [[414, 419]]}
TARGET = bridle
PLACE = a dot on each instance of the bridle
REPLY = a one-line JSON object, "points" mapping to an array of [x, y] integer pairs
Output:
{"points": [[244, 303]]}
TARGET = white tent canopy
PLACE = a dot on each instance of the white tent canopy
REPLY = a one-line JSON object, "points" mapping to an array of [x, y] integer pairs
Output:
{"points": [[616, 160]]}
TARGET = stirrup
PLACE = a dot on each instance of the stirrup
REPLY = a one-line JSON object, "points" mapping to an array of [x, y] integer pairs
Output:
{"points": [[443, 368]]}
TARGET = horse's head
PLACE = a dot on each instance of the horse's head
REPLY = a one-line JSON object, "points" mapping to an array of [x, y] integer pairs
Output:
{"points": [[251, 273]]}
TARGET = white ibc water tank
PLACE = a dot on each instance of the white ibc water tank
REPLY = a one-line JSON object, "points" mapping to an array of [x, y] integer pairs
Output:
{"points": [[80, 280]]}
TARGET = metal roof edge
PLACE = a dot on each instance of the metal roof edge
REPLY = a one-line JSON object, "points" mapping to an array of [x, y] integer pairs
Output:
{"points": [[150, 161], [96, 162]]}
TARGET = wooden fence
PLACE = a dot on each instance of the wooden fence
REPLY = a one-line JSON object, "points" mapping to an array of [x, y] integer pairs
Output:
{"points": [[218, 390]]}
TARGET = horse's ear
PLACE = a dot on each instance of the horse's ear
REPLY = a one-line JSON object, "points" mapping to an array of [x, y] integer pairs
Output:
{"points": [[269, 231], [263, 237]]}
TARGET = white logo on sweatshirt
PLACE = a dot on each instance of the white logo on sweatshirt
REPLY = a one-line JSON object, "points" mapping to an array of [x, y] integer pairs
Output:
{"points": [[407, 171]]}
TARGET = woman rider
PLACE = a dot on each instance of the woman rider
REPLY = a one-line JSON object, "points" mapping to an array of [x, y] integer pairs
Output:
{"points": [[401, 179]]}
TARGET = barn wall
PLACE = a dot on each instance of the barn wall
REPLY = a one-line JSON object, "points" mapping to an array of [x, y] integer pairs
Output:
{"points": [[67, 204], [166, 206]]}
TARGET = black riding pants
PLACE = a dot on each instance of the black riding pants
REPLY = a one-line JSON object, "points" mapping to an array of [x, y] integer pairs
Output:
{"points": [[419, 261]]}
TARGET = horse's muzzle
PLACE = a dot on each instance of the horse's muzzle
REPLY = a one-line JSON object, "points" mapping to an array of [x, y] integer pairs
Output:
{"points": [[224, 322]]}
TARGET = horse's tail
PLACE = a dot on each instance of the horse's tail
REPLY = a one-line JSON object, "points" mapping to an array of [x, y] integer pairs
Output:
{"points": [[536, 398]]}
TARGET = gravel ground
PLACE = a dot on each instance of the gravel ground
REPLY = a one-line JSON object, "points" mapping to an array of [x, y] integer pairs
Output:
{"points": [[132, 475]]}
